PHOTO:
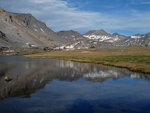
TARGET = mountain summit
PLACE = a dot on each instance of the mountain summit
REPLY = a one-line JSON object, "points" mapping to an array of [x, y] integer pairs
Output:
{"points": [[23, 30], [103, 36], [70, 36]]}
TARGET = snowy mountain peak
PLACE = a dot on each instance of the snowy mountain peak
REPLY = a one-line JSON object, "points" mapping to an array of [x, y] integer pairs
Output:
{"points": [[101, 35]]}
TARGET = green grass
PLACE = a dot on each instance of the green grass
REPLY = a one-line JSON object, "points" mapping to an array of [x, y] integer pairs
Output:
{"points": [[133, 58]]}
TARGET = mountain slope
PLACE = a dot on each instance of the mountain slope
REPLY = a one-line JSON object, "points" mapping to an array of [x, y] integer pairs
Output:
{"points": [[69, 36], [102, 36], [23, 30], [118, 39]]}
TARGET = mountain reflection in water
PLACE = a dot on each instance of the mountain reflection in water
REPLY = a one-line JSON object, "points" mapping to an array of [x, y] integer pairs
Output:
{"points": [[31, 75]]}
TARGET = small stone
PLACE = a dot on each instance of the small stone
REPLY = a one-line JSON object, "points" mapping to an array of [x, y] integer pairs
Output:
{"points": [[7, 78]]}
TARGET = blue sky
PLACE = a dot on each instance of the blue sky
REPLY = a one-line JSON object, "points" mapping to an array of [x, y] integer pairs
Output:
{"points": [[123, 16]]}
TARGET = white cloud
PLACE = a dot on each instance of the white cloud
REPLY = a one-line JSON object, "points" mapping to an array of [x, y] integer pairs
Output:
{"points": [[41, 1], [58, 15]]}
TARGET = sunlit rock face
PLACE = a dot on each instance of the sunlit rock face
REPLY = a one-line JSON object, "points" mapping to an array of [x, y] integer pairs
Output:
{"points": [[25, 31]]}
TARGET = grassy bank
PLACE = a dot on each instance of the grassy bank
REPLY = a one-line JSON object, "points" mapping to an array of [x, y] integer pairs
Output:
{"points": [[133, 58]]}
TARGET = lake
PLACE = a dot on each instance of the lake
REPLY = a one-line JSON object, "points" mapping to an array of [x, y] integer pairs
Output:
{"points": [[58, 86]]}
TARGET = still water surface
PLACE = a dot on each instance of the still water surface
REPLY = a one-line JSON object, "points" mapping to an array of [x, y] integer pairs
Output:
{"points": [[57, 86]]}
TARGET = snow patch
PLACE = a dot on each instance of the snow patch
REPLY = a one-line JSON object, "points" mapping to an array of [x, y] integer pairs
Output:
{"points": [[135, 36], [42, 30], [34, 25], [72, 36], [102, 38], [35, 30], [69, 47]]}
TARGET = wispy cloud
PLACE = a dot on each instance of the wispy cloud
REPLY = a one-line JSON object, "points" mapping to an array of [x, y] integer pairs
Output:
{"points": [[140, 2], [145, 2], [59, 15]]}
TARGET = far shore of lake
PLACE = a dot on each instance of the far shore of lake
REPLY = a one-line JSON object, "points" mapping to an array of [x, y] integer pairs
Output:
{"points": [[136, 59]]}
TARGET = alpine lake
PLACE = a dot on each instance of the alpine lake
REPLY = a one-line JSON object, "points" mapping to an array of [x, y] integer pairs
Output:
{"points": [[59, 86]]}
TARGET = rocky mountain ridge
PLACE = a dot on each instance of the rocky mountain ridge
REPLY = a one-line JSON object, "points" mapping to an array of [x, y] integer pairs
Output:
{"points": [[117, 39], [25, 31], [69, 36]]}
